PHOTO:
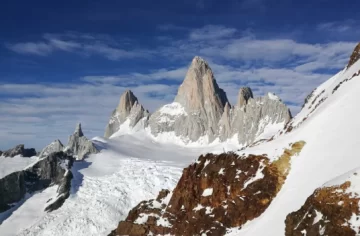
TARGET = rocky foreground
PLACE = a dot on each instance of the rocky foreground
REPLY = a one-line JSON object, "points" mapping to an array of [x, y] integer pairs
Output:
{"points": [[331, 210], [215, 193]]}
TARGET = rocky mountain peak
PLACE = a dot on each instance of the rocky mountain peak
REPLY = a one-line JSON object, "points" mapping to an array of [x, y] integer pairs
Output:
{"points": [[245, 94], [78, 131], [202, 101], [127, 100], [55, 146], [129, 109], [355, 56], [199, 88], [78, 145]]}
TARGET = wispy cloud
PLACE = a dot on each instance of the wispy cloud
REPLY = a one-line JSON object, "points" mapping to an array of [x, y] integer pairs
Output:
{"points": [[336, 26], [285, 66], [209, 32], [39, 48], [90, 45]]}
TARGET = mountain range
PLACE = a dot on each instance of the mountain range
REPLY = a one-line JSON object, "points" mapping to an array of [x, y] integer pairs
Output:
{"points": [[201, 112], [198, 166]]}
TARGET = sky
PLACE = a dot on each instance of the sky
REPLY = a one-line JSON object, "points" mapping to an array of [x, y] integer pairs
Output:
{"points": [[63, 62]]}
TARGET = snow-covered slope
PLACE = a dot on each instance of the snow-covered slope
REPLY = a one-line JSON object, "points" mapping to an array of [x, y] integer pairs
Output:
{"points": [[105, 187], [331, 131]]}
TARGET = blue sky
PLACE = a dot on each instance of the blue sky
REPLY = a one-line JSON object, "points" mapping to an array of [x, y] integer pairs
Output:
{"points": [[65, 62]]}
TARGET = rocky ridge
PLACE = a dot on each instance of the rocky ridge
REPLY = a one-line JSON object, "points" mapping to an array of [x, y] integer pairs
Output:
{"points": [[53, 169], [78, 146], [19, 150], [201, 110], [55, 146], [215, 193]]}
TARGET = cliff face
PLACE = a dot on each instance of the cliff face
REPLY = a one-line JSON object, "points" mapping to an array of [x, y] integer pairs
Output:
{"points": [[197, 108]]}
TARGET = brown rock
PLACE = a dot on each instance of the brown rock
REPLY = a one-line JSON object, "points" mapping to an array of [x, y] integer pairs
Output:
{"points": [[331, 207], [213, 194], [355, 56]]}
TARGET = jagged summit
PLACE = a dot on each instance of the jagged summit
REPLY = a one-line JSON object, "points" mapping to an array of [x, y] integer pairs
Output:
{"points": [[355, 56], [202, 103], [127, 100], [130, 110], [199, 87], [78, 145], [55, 146], [78, 130], [201, 111]]}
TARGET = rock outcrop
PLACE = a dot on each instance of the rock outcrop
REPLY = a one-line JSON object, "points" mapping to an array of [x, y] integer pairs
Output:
{"points": [[355, 56], [129, 110], [55, 146], [213, 194], [53, 169], [79, 146], [19, 150], [331, 210], [250, 116]]}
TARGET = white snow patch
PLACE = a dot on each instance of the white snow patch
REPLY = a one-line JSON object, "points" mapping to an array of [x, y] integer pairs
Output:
{"points": [[221, 171], [143, 218], [163, 222], [173, 109], [258, 175], [198, 207], [318, 217], [209, 210], [272, 96], [207, 192]]}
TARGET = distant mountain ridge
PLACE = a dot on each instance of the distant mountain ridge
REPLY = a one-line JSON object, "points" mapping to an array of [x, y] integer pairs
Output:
{"points": [[201, 111]]}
